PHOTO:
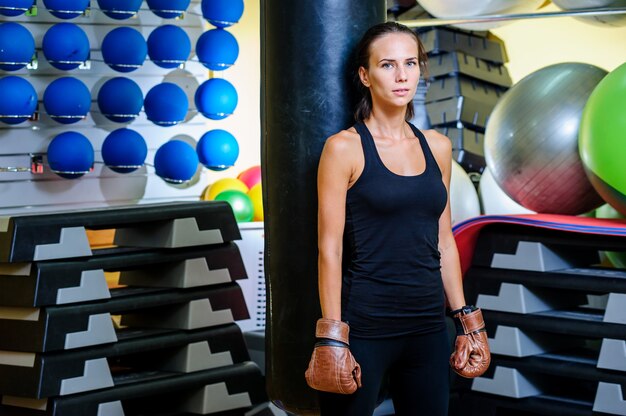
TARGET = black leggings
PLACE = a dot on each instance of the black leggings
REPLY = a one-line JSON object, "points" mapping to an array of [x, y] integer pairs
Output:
{"points": [[418, 371]]}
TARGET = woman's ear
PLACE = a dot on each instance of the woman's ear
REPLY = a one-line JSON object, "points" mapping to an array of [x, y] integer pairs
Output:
{"points": [[363, 76]]}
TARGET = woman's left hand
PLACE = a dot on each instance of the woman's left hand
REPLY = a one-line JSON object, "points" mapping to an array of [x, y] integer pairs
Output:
{"points": [[471, 356]]}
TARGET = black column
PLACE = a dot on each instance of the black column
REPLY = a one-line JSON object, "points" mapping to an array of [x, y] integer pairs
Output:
{"points": [[306, 51]]}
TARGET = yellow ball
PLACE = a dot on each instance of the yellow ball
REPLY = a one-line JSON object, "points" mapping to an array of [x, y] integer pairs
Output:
{"points": [[256, 195], [225, 184], [204, 196]]}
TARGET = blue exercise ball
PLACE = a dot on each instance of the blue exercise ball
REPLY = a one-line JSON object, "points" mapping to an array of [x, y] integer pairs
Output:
{"points": [[15, 7], [66, 9], [176, 162], [19, 100], [222, 13], [124, 151], [17, 46], [216, 98], [119, 9], [166, 104], [124, 49], [70, 155], [67, 100], [65, 46], [217, 49], [217, 150], [168, 46], [120, 99], [168, 9]]}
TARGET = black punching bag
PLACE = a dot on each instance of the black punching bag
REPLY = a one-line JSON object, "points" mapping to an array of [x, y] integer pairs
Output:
{"points": [[306, 55]]}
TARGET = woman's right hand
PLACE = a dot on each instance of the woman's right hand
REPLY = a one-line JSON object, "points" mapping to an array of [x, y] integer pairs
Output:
{"points": [[332, 367]]}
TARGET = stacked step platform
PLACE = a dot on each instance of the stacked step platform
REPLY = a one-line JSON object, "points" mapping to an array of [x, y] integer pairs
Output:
{"points": [[162, 341], [467, 77], [556, 321]]}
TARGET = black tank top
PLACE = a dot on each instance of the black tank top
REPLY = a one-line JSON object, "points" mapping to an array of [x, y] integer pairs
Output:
{"points": [[392, 275]]}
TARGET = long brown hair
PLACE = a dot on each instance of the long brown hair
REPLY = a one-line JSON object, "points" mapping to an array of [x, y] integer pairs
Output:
{"points": [[364, 106]]}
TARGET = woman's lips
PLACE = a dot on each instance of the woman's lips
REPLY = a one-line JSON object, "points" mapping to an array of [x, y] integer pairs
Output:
{"points": [[401, 92]]}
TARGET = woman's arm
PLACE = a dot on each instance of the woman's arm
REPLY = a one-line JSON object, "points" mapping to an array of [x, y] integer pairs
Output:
{"points": [[471, 356], [333, 178], [450, 264]]}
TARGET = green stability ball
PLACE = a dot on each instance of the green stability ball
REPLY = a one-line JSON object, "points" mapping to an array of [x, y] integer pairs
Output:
{"points": [[239, 202], [617, 258], [602, 138]]}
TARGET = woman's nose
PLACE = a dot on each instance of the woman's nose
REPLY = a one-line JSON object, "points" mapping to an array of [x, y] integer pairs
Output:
{"points": [[401, 74]]}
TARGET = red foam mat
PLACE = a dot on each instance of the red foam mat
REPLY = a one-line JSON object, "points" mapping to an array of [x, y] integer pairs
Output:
{"points": [[466, 233]]}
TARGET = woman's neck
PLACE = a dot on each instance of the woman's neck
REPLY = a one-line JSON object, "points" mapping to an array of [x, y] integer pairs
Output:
{"points": [[390, 124]]}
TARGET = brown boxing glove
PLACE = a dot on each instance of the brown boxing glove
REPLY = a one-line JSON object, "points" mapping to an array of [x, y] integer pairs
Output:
{"points": [[332, 367], [471, 356]]}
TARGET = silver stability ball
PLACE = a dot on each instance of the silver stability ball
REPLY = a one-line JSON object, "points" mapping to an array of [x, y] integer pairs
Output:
{"points": [[531, 140]]}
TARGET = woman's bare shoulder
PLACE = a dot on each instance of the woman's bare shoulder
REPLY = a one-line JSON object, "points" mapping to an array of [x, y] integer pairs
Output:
{"points": [[343, 142], [437, 139], [440, 144]]}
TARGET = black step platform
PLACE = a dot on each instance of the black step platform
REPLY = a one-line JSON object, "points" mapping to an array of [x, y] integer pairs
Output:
{"points": [[589, 279], [75, 371], [578, 248], [555, 319], [33, 237], [583, 322], [57, 282], [458, 112], [460, 85], [440, 40], [573, 364], [455, 63], [481, 404], [66, 327], [237, 386], [469, 161]]}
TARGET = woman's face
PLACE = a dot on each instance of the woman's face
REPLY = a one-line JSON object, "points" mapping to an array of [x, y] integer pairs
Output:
{"points": [[394, 71]]}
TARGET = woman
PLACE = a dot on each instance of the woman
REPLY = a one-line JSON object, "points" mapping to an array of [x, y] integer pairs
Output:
{"points": [[384, 215]]}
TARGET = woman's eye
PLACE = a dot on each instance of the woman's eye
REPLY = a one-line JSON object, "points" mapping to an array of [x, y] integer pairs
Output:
{"points": [[411, 63], [387, 65]]}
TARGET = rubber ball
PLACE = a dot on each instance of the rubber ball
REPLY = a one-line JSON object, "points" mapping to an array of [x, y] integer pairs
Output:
{"points": [[66, 9], [225, 184], [19, 100], [17, 46], [119, 9], [65, 46], [217, 49], [15, 7], [217, 150], [176, 162], [124, 150], [251, 176], [216, 98], [120, 99], [239, 202], [222, 13], [166, 104], [70, 155], [67, 100], [168, 9], [168, 46], [124, 49]]}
